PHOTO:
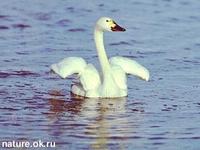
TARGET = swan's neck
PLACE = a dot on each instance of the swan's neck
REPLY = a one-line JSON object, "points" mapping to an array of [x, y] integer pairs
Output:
{"points": [[98, 37]]}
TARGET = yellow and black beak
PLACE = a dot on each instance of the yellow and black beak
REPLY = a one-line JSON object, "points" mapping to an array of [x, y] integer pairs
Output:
{"points": [[115, 27]]}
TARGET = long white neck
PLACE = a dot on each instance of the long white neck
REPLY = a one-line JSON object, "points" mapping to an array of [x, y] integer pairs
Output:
{"points": [[98, 37]]}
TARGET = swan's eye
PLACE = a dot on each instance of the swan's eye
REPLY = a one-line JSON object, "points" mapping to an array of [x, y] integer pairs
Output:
{"points": [[107, 20]]}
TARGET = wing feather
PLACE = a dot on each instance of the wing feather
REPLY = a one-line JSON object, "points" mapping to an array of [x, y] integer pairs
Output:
{"points": [[69, 66], [131, 67], [89, 76]]}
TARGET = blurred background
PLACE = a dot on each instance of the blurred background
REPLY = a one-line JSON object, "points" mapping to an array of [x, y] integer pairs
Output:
{"points": [[36, 104]]}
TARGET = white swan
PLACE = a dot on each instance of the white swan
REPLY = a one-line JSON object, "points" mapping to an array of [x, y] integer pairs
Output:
{"points": [[112, 83]]}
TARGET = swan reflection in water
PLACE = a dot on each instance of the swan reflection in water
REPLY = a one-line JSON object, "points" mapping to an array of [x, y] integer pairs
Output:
{"points": [[102, 121]]}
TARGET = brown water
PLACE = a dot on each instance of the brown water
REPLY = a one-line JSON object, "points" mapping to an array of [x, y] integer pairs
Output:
{"points": [[37, 105]]}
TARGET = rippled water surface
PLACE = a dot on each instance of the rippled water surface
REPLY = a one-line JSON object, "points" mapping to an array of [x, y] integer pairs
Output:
{"points": [[36, 104]]}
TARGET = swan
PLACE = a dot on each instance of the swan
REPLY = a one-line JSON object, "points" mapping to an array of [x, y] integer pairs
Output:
{"points": [[112, 82]]}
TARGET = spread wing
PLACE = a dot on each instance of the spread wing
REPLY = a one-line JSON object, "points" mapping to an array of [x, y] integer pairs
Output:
{"points": [[69, 66], [89, 76], [131, 67]]}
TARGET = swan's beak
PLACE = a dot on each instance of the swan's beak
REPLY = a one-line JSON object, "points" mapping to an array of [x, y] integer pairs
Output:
{"points": [[115, 27]]}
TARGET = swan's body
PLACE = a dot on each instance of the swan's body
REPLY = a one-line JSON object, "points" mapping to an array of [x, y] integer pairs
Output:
{"points": [[112, 83]]}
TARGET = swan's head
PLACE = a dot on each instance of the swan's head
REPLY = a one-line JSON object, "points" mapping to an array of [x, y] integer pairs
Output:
{"points": [[108, 24]]}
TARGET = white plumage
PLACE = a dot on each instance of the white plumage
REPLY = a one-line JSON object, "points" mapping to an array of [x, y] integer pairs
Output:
{"points": [[69, 66], [130, 67], [114, 71]]}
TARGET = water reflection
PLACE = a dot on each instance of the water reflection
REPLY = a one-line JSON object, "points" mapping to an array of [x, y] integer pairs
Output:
{"points": [[96, 117], [107, 114]]}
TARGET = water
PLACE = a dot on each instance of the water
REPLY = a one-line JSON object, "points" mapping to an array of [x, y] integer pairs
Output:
{"points": [[37, 105]]}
